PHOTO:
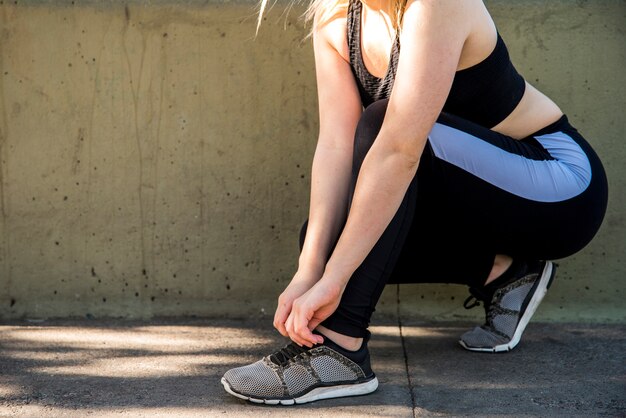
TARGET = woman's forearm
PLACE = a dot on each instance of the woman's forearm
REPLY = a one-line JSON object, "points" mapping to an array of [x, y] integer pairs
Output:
{"points": [[382, 183], [330, 181]]}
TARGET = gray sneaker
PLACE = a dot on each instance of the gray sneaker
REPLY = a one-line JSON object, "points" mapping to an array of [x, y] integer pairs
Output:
{"points": [[509, 309], [297, 374]]}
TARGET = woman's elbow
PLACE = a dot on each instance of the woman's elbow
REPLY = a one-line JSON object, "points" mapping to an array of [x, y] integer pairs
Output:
{"points": [[407, 152]]}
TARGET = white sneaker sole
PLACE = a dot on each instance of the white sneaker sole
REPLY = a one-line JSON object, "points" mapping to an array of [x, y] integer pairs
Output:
{"points": [[314, 395], [540, 292]]}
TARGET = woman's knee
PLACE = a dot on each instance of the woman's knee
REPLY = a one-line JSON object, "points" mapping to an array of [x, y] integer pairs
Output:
{"points": [[368, 128]]}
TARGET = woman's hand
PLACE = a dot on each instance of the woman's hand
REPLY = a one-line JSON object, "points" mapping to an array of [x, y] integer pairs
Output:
{"points": [[310, 309], [299, 285]]}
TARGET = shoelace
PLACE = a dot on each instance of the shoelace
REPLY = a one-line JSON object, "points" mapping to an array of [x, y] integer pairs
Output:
{"points": [[291, 350], [478, 295]]}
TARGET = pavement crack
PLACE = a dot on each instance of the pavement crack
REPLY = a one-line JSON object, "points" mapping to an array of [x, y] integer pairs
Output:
{"points": [[404, 353]]}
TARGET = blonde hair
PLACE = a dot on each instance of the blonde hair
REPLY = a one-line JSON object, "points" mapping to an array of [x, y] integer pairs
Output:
{"points": [[321, 12]]}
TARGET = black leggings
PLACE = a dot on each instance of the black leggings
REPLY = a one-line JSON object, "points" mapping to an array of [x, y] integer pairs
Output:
{"points": [[476, 194]]}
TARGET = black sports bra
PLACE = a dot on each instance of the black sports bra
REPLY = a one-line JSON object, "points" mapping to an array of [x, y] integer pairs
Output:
{"points": [[485, 93]]}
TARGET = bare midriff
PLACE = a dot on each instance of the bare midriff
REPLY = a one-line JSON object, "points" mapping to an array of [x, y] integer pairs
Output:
{"points": [[533, 112]]}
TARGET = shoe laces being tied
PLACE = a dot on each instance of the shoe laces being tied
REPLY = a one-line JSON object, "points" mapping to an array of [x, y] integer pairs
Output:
{"points": [[287, 353]]}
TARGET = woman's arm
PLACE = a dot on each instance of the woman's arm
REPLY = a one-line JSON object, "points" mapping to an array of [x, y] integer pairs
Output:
{"points": [[434, 32], [339, 110]]}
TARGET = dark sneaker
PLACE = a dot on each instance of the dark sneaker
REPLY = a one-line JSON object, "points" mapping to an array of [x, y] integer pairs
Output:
{"points": [[508, 308], [297, 374]]}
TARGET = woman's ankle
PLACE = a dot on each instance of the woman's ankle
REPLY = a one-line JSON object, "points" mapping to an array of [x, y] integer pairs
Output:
{"points": [[344, 341], [501, 264]]}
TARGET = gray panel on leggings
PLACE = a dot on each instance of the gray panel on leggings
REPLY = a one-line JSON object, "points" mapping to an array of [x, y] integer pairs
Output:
{"points": [[556, 180]]}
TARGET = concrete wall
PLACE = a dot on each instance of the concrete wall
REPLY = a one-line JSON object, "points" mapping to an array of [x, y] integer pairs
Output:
{"points": [[155, 158]]}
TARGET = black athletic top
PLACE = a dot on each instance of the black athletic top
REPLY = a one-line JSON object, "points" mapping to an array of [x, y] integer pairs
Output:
{"points": [[485, 93]]}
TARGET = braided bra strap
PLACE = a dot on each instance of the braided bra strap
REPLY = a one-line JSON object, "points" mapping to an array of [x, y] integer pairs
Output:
{"points": [[371, 88]]}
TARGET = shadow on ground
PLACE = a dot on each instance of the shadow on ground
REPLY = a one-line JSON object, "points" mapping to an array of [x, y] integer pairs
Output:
{"points": [[173, 367]]}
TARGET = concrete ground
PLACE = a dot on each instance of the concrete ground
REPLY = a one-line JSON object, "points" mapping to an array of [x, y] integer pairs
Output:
{"points": [[172, 368]]}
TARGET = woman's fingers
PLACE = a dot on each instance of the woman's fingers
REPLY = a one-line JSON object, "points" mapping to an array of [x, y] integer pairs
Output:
{"points": [[307, 312], [285, 303], [291, 332], [280, 317], [299, 326], [313, 323], [304, 325]]}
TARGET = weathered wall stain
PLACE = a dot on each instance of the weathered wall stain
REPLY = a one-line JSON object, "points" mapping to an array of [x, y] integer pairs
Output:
{"points": [[5, 250], [155, 158]]}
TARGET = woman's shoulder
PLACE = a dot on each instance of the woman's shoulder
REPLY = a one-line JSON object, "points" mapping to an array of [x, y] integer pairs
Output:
{"points": [[330, 26]]}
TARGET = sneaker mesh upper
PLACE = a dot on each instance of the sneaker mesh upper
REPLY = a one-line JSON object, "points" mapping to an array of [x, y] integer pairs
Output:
{"points": [[257, 379], [331, 370], [479, 337], [513, 299], [298, 378], [504, 312], [504, 324]]}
